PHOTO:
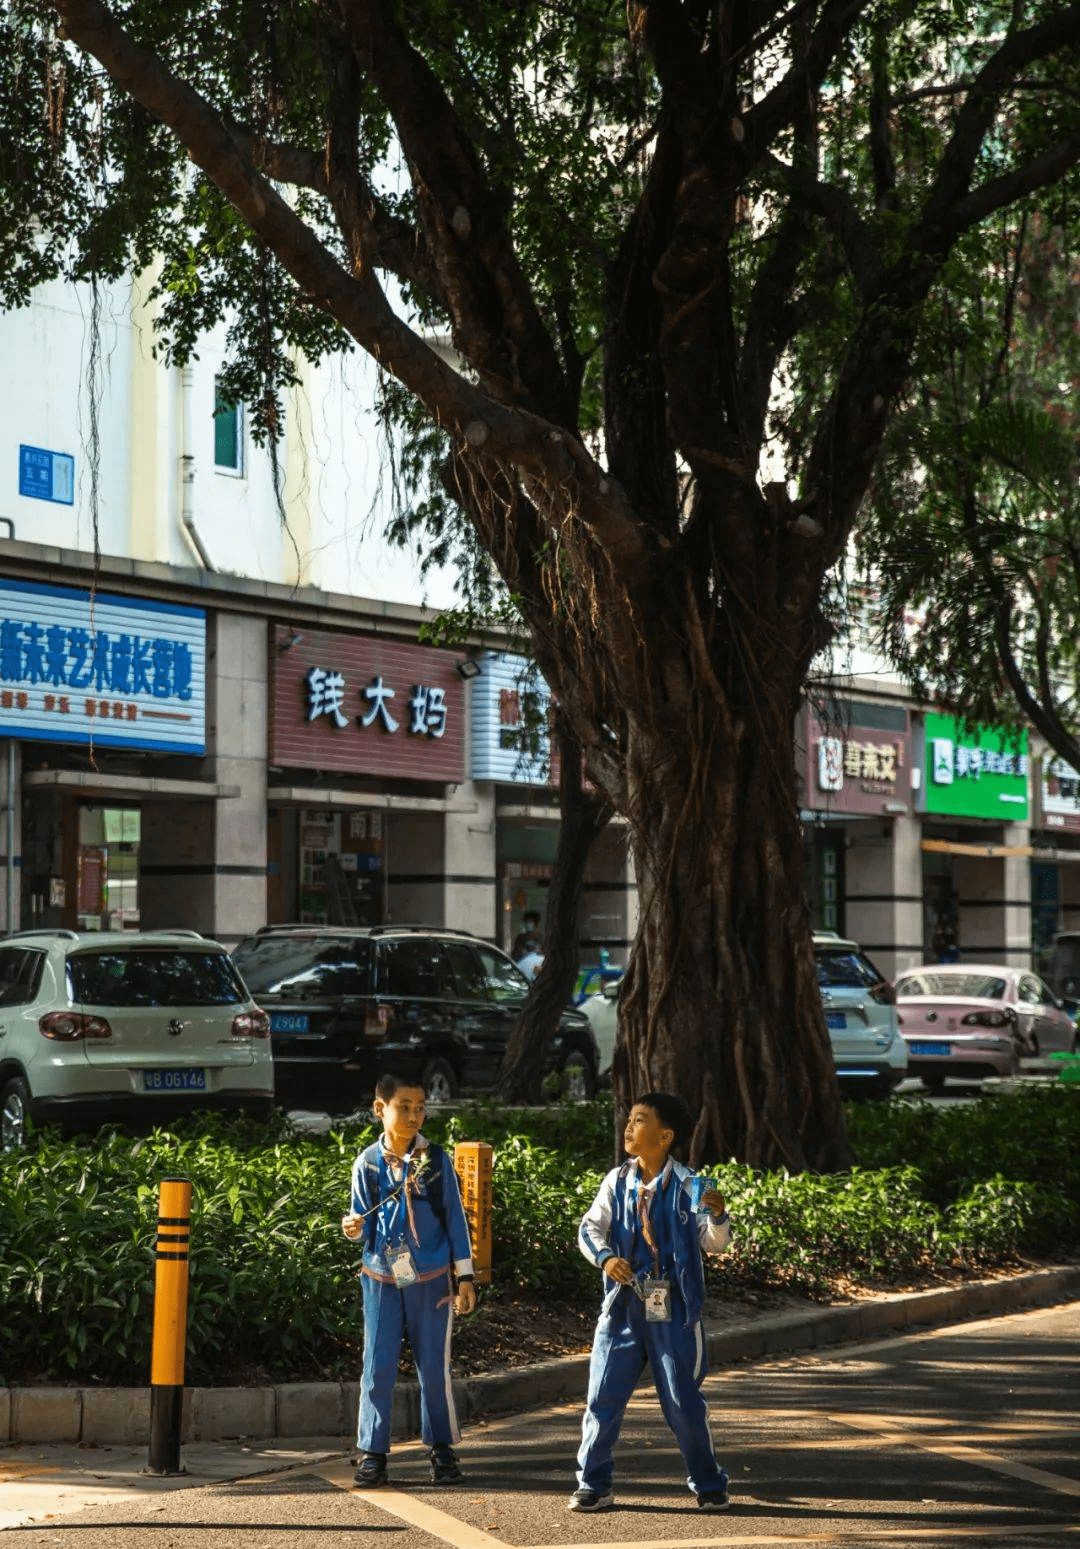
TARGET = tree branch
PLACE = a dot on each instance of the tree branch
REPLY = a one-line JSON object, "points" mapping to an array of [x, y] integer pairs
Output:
{"points": [[778, 107], [497, 325], [941, 221], [522, 440]]}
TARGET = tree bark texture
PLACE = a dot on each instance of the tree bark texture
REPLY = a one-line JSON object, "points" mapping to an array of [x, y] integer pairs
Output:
{"points": [[583, 814], [720, 1003]]}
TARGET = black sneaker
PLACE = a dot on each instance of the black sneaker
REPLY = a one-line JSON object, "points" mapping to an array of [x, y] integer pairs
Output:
{"points": [[445, 1468], [713, 1500], [372, 1470], [585, 1499]]}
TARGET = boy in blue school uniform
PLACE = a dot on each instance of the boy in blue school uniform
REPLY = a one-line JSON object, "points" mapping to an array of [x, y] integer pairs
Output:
{"points": [[407, 1208], [643, 1232]]}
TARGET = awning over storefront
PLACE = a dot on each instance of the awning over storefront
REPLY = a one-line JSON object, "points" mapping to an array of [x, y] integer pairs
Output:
{"points": [[134, 788], [986, 851], [326, 799]]}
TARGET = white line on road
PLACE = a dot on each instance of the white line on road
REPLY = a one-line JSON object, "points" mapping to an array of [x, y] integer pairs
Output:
{"points": [[958, 1451], [410, 1509]]}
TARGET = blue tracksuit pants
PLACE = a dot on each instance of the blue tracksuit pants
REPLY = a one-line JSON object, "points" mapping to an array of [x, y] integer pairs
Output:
{"points": [[621, 1345], [426, 1310]]}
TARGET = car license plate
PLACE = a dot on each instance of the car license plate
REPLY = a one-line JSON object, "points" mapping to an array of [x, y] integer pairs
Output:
{"points": [[290, 1022], [836, 1021], [930, 1048], [191, 1080]]}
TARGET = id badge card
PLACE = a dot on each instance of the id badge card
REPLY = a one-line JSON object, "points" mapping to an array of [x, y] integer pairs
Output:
{"points": [[401, 1266], [657, 1301]]}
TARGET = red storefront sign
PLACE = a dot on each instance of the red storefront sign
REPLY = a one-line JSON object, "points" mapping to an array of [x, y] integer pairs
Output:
{"points": [[857, 769], [362, 705]]}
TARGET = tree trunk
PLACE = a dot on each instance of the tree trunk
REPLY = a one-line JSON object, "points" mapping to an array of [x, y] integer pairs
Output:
{"points": [[720, 1003], [582, 816]]}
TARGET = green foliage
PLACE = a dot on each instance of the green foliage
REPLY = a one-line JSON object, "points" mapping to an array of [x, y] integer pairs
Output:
{"points": [[273, 1280]]}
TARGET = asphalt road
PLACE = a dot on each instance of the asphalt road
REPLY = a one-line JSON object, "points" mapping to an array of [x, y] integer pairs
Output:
{"points": [[967, 1435]]}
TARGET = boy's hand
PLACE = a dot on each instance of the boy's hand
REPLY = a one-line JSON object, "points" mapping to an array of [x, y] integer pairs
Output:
{"points": [[351, 1225], [618, 1269], [713, 1201], [465, 1299]]}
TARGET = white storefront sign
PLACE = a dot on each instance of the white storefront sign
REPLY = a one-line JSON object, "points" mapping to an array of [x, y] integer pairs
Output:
{"points": [[89, 667], [509, 709]]}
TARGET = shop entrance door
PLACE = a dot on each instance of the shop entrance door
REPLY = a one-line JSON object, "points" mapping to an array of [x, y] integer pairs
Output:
{"points": [[107, 868]]}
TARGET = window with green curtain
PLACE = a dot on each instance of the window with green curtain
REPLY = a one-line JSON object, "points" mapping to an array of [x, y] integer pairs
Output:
{"points": [[228, 431]]}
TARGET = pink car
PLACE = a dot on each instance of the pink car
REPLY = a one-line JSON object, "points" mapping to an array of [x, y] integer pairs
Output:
{"points": [[972, 1020]]}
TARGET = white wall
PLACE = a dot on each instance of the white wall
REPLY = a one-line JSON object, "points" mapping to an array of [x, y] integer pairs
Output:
{"points": [[334, 464]]}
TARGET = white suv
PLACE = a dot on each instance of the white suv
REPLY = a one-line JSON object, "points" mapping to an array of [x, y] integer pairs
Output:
{"points": [[860, 1012], [125, 1026]]}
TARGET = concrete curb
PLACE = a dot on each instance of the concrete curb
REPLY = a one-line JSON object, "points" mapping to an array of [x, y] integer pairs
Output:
{"points": [[120, 1416]]}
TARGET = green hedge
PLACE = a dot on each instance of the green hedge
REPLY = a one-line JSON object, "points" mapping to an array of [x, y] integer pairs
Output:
{"points": [[273, 1281]]}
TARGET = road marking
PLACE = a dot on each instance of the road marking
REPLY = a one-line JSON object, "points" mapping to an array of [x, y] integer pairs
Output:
{"points": [[411, 1509], [959, 1452]]}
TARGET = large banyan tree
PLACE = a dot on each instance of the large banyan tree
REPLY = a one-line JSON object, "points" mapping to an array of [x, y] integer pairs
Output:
{"points": [[683, 252]]}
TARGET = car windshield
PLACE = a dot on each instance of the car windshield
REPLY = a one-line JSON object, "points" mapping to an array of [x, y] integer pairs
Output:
{"points": [[305, 967], [843, 968], [959, 986], [159, 976]]}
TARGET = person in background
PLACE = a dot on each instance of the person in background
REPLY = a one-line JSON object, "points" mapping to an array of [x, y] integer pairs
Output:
{"points": [[528, 942]]}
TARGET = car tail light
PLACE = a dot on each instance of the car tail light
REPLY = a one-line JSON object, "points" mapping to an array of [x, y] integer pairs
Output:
{"points": [[250, 1024], [376, 1023], [70, 1026], [884, 994], [986, 1019]]}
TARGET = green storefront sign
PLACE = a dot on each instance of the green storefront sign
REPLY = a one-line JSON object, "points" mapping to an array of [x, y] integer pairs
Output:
{"points": [[984, 775]]}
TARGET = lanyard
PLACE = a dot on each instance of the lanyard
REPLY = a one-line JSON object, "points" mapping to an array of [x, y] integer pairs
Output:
{"points": [[400, 1192], [641, 1201]]}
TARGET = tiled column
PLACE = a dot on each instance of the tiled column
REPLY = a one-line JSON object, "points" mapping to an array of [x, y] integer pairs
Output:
{"points": [[238, 669], [884, 904]]}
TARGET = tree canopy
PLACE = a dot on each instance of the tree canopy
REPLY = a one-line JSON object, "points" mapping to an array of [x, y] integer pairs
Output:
{"points": [[687, 255], [973, 527]]}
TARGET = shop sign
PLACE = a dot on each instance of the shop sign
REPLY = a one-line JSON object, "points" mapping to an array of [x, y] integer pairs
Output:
{"points": [[1060, 794], [855, 769], [509, 701], [364, 705], [97, 668], [981, 775]]}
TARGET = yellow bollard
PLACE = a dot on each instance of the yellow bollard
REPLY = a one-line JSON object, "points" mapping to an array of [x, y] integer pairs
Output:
{"points": [[472, 1163], [170, 1325]]}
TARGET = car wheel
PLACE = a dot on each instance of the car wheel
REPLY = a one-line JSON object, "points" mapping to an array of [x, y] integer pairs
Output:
{"points": [[579, 1080], [15, 1114], [439, 1082], [934, 1083]]}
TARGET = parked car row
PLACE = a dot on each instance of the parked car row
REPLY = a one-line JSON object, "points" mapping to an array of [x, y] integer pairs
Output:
{"points": [[136, 1026], [955, 1019]]}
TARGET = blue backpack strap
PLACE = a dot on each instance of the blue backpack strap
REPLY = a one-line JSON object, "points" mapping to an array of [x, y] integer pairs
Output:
{"points": [[435, 1179]]}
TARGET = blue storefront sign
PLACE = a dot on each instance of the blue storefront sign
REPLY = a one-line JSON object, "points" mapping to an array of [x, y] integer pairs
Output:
{"points": [[45, 475], [509, 710], [93, 667]]}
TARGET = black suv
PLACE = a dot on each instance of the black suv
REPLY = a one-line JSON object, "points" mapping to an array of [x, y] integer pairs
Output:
{"points": [[347, 1004]]}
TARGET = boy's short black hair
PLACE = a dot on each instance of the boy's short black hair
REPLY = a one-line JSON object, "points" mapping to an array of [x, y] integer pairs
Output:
{"points": [[389, 1085], [530, 914], [672, 1113]]}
